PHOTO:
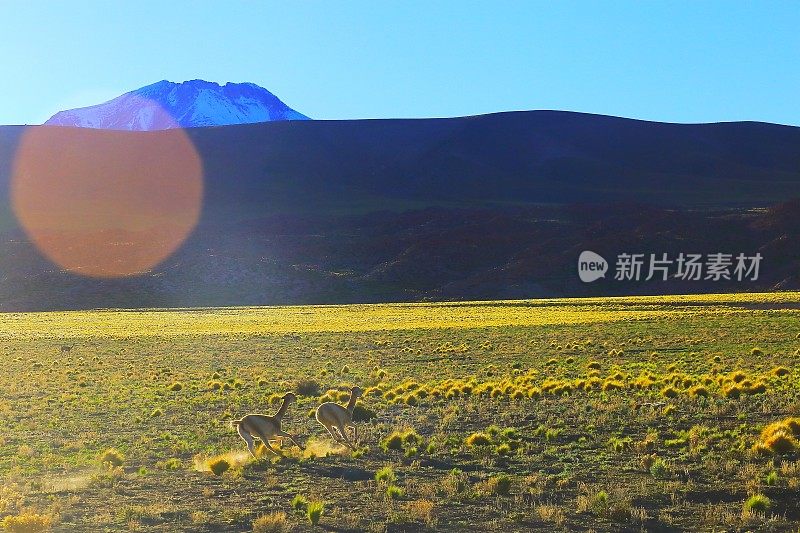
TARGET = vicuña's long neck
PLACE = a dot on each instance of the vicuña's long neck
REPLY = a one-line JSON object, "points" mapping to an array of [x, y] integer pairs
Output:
{"points": [[282, 409], [351, 403]]}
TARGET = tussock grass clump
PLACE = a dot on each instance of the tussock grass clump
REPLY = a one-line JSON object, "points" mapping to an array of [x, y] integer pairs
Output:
{"points": [[478, 439], [698, 391], [757, 503], [503, 449], [398, 440], [176, 386], [299, 503], [780, 371], [669, 392], [756, 352], [499, 485], [271, 523], [385, 475], [738, 376], [27, 522], [112, 457], [393, 492], [771, 478], [314, 512], [733, 392], [307, 387], [779, 438], [218, 465], [593, 365]]}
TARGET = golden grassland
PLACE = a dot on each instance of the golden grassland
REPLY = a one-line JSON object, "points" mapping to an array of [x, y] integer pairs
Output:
{"points": [[373, 317], [651, 413]]}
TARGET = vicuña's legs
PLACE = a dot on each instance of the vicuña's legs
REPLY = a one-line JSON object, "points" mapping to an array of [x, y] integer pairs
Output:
{"points": [[343, 432], [265, 440], [334, 434], [283, 434], [248, 438]]}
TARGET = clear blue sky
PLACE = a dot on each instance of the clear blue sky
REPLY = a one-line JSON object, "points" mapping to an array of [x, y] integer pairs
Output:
{"points": [[681, 61]]}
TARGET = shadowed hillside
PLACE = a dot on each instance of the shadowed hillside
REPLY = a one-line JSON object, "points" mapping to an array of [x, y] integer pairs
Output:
{"points": [[490, 206]]}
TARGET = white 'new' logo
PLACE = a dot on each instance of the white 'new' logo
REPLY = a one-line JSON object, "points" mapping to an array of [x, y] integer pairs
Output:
{"points": [[591, 266]]}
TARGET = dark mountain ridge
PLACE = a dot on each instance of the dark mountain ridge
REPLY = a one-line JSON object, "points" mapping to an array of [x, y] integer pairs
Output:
{"points": [[473, 207]]}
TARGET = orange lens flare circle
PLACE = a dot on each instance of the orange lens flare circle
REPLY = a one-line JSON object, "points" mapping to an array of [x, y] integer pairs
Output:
{"points": [[107, 204]]}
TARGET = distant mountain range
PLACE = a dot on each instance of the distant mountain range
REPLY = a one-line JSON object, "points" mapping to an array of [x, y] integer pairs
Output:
{"points": [[191, 104], [493, 206]]}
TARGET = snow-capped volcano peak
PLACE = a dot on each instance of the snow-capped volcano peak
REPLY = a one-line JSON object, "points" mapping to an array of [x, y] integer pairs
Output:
{"points": [[165, 105]]}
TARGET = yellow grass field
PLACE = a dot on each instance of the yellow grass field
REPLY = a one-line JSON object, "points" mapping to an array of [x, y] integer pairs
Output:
{"points": [[651, 413]]}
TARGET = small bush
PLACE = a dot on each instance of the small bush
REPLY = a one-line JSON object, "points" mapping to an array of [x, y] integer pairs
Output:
{"points": [[503, 449], [733, 392], [780, 371], [669, 392], [393, 492], [307, 387], [398, 440], [219, 466], [385, 474], [299, 503], [757, 503], [772, 478], [659, 469], [478, 439], [698, 391], [314, 512], [500, 485], [112, 457], [173, 463], [393, 442]]}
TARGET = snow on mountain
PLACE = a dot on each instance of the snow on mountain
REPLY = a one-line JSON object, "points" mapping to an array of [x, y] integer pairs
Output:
{"points": [[166, 105]]}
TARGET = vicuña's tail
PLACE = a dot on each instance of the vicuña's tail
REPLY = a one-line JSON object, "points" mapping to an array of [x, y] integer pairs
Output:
{"points": [[235, 423]]}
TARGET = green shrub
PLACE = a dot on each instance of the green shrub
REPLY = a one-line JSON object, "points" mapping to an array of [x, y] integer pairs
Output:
{"points": [[385, 474], [757, 503], [394, 492], [478, 439], [393, 442], [314, 512], [503, 449], [659, 469], [219, 466], [299, 503], [772, 478]]}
